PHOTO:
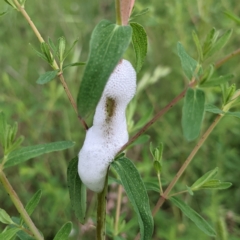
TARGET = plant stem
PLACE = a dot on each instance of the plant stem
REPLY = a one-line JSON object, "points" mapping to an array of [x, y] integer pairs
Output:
{"points": [[160, 183], [101, 212], [185, 165], [118, 12], [158, 115], [226, 58], [18, 204], [119, 200], [55, 65]]}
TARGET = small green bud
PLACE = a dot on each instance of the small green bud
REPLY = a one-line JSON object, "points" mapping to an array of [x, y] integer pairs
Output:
{"points": [[157, 166]]}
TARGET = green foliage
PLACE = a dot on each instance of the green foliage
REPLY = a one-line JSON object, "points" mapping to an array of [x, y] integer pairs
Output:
{"points": [[47, 77], [77, 190], [107, 45], [9, 233], [64, 232], [8, 135], [136, 193], [200, 222], [192, 113], [212, 82], [217, 45], [4, 217], [25, 153], [207, 181], [139, 41], [33, 202], [189, 65]]}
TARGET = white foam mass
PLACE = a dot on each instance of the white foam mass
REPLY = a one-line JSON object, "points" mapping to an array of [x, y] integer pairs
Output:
{"points": [[109, 131]]}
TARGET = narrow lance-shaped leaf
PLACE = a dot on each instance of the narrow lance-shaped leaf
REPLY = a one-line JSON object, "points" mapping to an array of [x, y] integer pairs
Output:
{"points": [[217, 81], [192, 113], [47, 77], [4, 217], [234, 114], [215, 184], [189, 65], [64, 232], [220, 43], [77, 190], [107, 45], [200, 222], [207, 176], [137, 194], [139, 41], [9, 233], [25, 153], [213, 109], [198, 45], [33, 202]]}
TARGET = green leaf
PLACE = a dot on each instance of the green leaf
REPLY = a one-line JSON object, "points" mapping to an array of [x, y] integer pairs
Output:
{"points": [[190, 191], [232, 16], [198, 45], [52, 45], [215, 184], [220, 43], [4, 217], [61, 48], [3, 126], [136, 192], [234, 114], [139, 41], [207, 176], [39, 54], [25, 153], [138, 14], [47, 77], [152, 186], [24, 236], [213, 109], [77, 190], [107, 45], [207, 74], [9, 233], [189, 65], [217, 81], [200, 222], [64, 232], [192, 113], [209, 41], [33, 202], [70, 49], [46, 51], [74, 64], [11, 3]]}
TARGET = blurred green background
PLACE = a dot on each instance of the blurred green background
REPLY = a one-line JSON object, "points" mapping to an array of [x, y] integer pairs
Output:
{"points": [[45, 115]]}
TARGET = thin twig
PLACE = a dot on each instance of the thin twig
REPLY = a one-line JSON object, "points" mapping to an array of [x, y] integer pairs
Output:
{"points": [[119, 201], [185, 165], [18, 204], [55, 65], [226, 58], [158, 115]]}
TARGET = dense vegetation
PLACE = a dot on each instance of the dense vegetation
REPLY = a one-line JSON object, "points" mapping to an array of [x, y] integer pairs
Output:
{"points": [[44, 114]]}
